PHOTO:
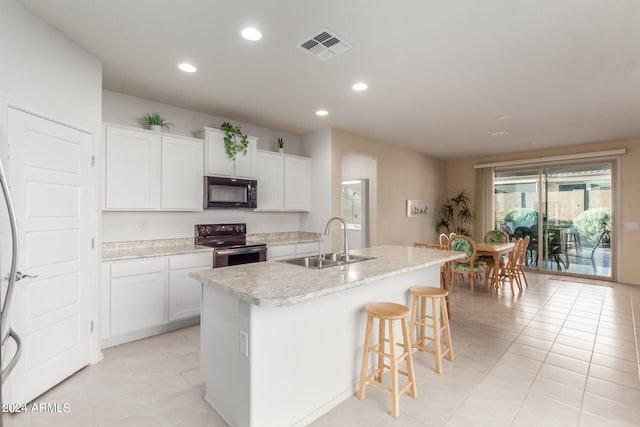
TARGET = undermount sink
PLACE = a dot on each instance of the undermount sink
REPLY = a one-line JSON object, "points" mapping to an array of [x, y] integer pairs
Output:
{"points": [[328, 260]]}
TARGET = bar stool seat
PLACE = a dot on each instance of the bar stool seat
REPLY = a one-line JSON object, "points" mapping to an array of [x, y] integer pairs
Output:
{"points": [[387, 313], [438, 322]]}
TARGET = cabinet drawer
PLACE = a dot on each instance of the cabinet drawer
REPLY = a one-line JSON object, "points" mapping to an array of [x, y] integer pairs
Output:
{"points": [[281, 251], [200, 259], [138, 266]]}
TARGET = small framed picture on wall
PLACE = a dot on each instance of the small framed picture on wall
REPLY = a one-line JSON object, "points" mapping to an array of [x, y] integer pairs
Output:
{"points": [[418, 208]]}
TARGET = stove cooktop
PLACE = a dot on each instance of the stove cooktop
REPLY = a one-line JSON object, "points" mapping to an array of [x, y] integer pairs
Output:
{"points": [[224, 236]]}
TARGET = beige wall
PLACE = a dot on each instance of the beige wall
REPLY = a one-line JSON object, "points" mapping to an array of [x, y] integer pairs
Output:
{"points": [[401, 174], [460, 174]]}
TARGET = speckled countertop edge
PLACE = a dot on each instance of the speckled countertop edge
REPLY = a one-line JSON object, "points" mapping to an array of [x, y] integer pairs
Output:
{"points": [[285, 238], [279, 284], [116, 251]]}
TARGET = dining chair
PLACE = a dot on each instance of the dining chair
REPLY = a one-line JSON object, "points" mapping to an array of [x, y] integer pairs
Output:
{"points": [[586, 252], [493, 236], [444, 268], [522, 260], [444, 241], [509, 271], [467, 266]]}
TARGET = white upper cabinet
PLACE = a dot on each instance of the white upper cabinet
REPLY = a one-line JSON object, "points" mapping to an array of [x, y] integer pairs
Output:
{"points": [[284, 182], [146, 170], [217, 163], [270, 177], [132, 169], [182, 176], [297, 184]]}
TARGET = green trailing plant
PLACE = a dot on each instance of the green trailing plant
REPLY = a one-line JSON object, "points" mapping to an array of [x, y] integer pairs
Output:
{"points": [[155, 119], [234, 140], [456, 215], [280, 143]]}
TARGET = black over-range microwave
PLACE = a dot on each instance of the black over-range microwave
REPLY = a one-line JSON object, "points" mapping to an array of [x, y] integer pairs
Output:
{"points": [[230, 192]]}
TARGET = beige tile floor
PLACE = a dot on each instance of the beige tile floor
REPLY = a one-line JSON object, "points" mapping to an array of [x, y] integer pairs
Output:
{"points": [[560, 354]]}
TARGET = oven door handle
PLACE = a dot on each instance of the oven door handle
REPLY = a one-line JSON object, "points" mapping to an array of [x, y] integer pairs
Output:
{"points": [[237, 251]]}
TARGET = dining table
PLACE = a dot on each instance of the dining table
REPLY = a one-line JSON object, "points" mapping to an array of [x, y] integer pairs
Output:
{"points": [[494, 250]]}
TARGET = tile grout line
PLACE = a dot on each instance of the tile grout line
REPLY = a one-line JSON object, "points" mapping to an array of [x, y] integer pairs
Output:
{"points": [[511, 308], [549, 351], [593, 349], [635, 330]]}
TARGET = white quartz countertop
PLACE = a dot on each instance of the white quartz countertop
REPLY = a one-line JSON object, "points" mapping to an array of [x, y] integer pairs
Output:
{"points": [[280, 284]]}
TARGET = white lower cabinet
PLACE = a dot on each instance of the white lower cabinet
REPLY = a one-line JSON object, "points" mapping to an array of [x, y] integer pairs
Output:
{"points": [[138, 295], [146, 296], [294, 250], [184, 292]]}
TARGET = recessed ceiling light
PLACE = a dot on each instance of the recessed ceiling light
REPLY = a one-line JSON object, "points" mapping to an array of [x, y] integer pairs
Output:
{"points": [[359, 86], [322, 113], [188, 68], [251, 34]]}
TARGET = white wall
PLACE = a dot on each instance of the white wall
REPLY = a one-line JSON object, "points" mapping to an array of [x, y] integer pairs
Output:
{"points": [[317, 145], [44, 72], [128, 110], [121, 226], [401, 174]]}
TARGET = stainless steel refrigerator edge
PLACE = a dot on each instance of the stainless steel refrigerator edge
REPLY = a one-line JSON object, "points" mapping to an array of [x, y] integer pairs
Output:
{"points": [[5, 329]]}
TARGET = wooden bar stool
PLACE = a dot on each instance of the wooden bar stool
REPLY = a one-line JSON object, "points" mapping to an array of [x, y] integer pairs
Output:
{"points": [[386, 313], [439, 322]]}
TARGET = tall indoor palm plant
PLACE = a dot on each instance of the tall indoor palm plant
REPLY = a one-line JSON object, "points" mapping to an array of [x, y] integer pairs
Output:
{"points": [[456, 215]]}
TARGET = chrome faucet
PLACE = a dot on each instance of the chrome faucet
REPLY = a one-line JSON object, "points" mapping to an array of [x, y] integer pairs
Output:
{"points": [[344, 234]]}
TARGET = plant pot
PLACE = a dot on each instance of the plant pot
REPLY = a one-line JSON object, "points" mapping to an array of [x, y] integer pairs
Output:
{"points": [[280, 150], [156, 128]]}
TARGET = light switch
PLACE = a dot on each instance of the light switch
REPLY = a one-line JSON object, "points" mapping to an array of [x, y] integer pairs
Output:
{"points": [[631, 225]]}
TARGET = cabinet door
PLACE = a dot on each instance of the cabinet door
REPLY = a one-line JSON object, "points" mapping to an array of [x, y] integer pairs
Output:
{"points": [[185, 292], [138, 294], [132, 169], [182, 181], [246, 163], [216, 160], [297, 184], [270, 176]]}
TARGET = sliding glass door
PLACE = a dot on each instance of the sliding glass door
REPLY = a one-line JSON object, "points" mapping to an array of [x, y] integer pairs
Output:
{"points": [[566, 211]]}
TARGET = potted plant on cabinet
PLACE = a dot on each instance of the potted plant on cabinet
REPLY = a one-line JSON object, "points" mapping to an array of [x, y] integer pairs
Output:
{"points": [[456, 214], [234, 140], [155, 121], [280, 145]]}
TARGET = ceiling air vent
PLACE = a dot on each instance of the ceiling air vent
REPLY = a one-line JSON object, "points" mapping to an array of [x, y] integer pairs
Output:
{"points": [[325, 45]]}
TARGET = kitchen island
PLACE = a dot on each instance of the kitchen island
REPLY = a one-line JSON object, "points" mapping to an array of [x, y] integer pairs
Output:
{"points": [[281, 344]]}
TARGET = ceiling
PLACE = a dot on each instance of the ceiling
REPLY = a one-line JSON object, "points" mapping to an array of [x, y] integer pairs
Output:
{"points": [[450, 78]]}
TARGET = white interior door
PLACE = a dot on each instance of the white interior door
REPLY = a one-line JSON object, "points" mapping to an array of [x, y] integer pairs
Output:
{"points": [[51, 179]]}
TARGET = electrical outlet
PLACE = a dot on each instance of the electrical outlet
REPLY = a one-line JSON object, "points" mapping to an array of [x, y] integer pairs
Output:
{"points": [[244, 343]]}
